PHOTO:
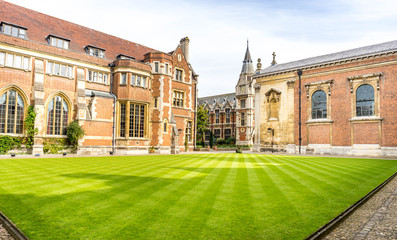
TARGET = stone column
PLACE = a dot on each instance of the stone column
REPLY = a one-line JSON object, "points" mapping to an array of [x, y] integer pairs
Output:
{"points": [[39, 105], [257, 144], [81, 99]]}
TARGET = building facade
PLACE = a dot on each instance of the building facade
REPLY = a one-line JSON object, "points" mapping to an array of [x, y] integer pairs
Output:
{"points": [[348, 101], [126, 96], [232, 115]]}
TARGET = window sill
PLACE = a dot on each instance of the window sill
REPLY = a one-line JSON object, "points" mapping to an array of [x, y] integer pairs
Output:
{"points": [[273, 119], [138, 86], [320, 121], [4, 66], [53, 75], [12, 134], [366, 119], [55, 136], [105, 84]]}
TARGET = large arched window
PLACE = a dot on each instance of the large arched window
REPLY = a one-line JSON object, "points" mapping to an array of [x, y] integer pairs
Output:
{"points": [[319, 105], [12, 109], [57, 116], [365, 101]]}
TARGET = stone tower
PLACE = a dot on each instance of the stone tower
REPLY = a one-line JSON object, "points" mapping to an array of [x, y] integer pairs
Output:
{"points": [[245, 93]]}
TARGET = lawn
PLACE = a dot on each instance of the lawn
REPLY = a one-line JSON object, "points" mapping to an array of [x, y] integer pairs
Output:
{"points": [[206, 196]]}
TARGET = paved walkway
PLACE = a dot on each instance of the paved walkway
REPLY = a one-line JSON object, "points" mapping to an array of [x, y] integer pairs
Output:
{"points": [[374, 220]]}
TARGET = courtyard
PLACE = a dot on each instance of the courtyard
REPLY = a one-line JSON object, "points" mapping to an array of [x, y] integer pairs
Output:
{"points": [[200, 196]]}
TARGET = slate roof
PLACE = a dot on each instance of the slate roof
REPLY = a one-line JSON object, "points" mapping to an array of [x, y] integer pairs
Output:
{"points": [[222, 99], [40, 26], [329, 58]]}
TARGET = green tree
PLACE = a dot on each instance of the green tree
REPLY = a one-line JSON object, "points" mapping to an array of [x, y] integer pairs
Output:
{"points": [[202, 122], [74, 133]]}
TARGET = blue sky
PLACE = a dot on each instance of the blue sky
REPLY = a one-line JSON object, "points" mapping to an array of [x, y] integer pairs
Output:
{"points": [[219, 30]]}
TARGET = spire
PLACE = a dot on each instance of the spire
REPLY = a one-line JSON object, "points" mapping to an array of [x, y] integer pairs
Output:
{"points": [[247, 63]]}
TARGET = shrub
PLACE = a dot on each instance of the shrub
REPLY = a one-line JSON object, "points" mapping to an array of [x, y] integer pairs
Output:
{"points": [[54, 146], [74, 133], [8, 143], [220, 141], [31, 131], [231, 140]]}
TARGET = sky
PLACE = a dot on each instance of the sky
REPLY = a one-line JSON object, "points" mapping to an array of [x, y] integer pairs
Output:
{"points": [[219, 30]]}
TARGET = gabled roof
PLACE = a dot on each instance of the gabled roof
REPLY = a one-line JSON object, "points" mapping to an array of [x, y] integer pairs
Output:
{"points": [[40, 26], [330, 58], [222, 99]]}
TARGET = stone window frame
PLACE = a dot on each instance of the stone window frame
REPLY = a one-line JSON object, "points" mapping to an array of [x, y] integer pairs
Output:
{"points": [[325, 86], [5, 61], [271, 94], [178, 101], [181, 75], [22, 94], [355, 82], [127, 119], [189, 131], [68, 102]]}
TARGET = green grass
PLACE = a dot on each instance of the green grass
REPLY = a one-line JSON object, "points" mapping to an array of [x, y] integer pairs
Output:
{"points": [[208, 196]]}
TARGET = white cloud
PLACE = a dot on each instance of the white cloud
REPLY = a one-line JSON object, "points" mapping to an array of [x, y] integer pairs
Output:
{"points": [[219, 30]]}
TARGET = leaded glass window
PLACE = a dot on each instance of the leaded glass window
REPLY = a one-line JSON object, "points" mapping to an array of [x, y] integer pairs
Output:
{"points": [[188, 131], [122, 119], [57, 116], [319, 105], [365, 101], [227, 114], [242, 119], [135, 114], [11, 112], [217, 116]]}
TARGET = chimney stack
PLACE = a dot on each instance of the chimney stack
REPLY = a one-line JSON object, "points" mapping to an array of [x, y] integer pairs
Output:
{"points": [[185, 47]]}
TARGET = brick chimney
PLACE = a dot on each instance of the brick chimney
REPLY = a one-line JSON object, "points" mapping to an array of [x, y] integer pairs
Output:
{"points": [[185, 47]]}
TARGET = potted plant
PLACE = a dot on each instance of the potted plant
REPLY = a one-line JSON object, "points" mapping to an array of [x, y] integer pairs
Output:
{"points": [[239, 150]]}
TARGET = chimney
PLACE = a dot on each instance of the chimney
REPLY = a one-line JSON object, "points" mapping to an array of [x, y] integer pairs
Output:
{"points": [[185, 47]]}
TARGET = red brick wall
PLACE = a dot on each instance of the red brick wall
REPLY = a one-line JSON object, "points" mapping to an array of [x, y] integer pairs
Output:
{"points": [[366, 133], [341, 101], [319, 134]]}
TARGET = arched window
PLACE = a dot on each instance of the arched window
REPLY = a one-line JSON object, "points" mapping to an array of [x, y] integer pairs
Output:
{"points": [[365, 101], [12, 109], [319, 104], [57, 116]]}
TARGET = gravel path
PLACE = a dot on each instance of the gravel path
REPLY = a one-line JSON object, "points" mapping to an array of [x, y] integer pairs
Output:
{"points": [[375, 219], [4, 234]]}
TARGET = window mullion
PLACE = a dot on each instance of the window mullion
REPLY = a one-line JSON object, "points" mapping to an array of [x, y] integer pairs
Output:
{"points": [[53, 116], [127, 120], [16, 112], [6, 120]]}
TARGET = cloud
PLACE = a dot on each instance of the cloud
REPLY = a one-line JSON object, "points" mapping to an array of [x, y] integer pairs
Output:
{"points": [[219, 29]]}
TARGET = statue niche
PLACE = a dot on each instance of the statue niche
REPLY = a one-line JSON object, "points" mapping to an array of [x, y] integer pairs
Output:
{"points": [[273, 102]]}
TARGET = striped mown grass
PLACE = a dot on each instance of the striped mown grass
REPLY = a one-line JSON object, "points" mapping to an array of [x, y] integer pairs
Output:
{"points": [[207, 196]]}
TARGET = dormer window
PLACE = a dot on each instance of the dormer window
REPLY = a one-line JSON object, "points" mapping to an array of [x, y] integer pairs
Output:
{"points": [[13, 30], [125, 57], [58, 41], [95, 51]]}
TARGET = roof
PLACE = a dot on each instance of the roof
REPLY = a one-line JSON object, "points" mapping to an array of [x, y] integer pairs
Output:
{"points": [[221, 99], [247, 63], [40, 26], [329, 58]]}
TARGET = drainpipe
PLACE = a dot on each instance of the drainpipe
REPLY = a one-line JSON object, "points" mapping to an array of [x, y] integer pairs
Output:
{"points": [[111, 65], [300, 110], [195, 115]]}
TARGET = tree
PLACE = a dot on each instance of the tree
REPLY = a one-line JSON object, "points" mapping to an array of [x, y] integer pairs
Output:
{"points": [[202, 122]]}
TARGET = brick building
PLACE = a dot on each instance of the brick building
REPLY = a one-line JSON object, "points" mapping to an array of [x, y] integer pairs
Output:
{"points": [[232, 115], [126, 96], [348, 103]]}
